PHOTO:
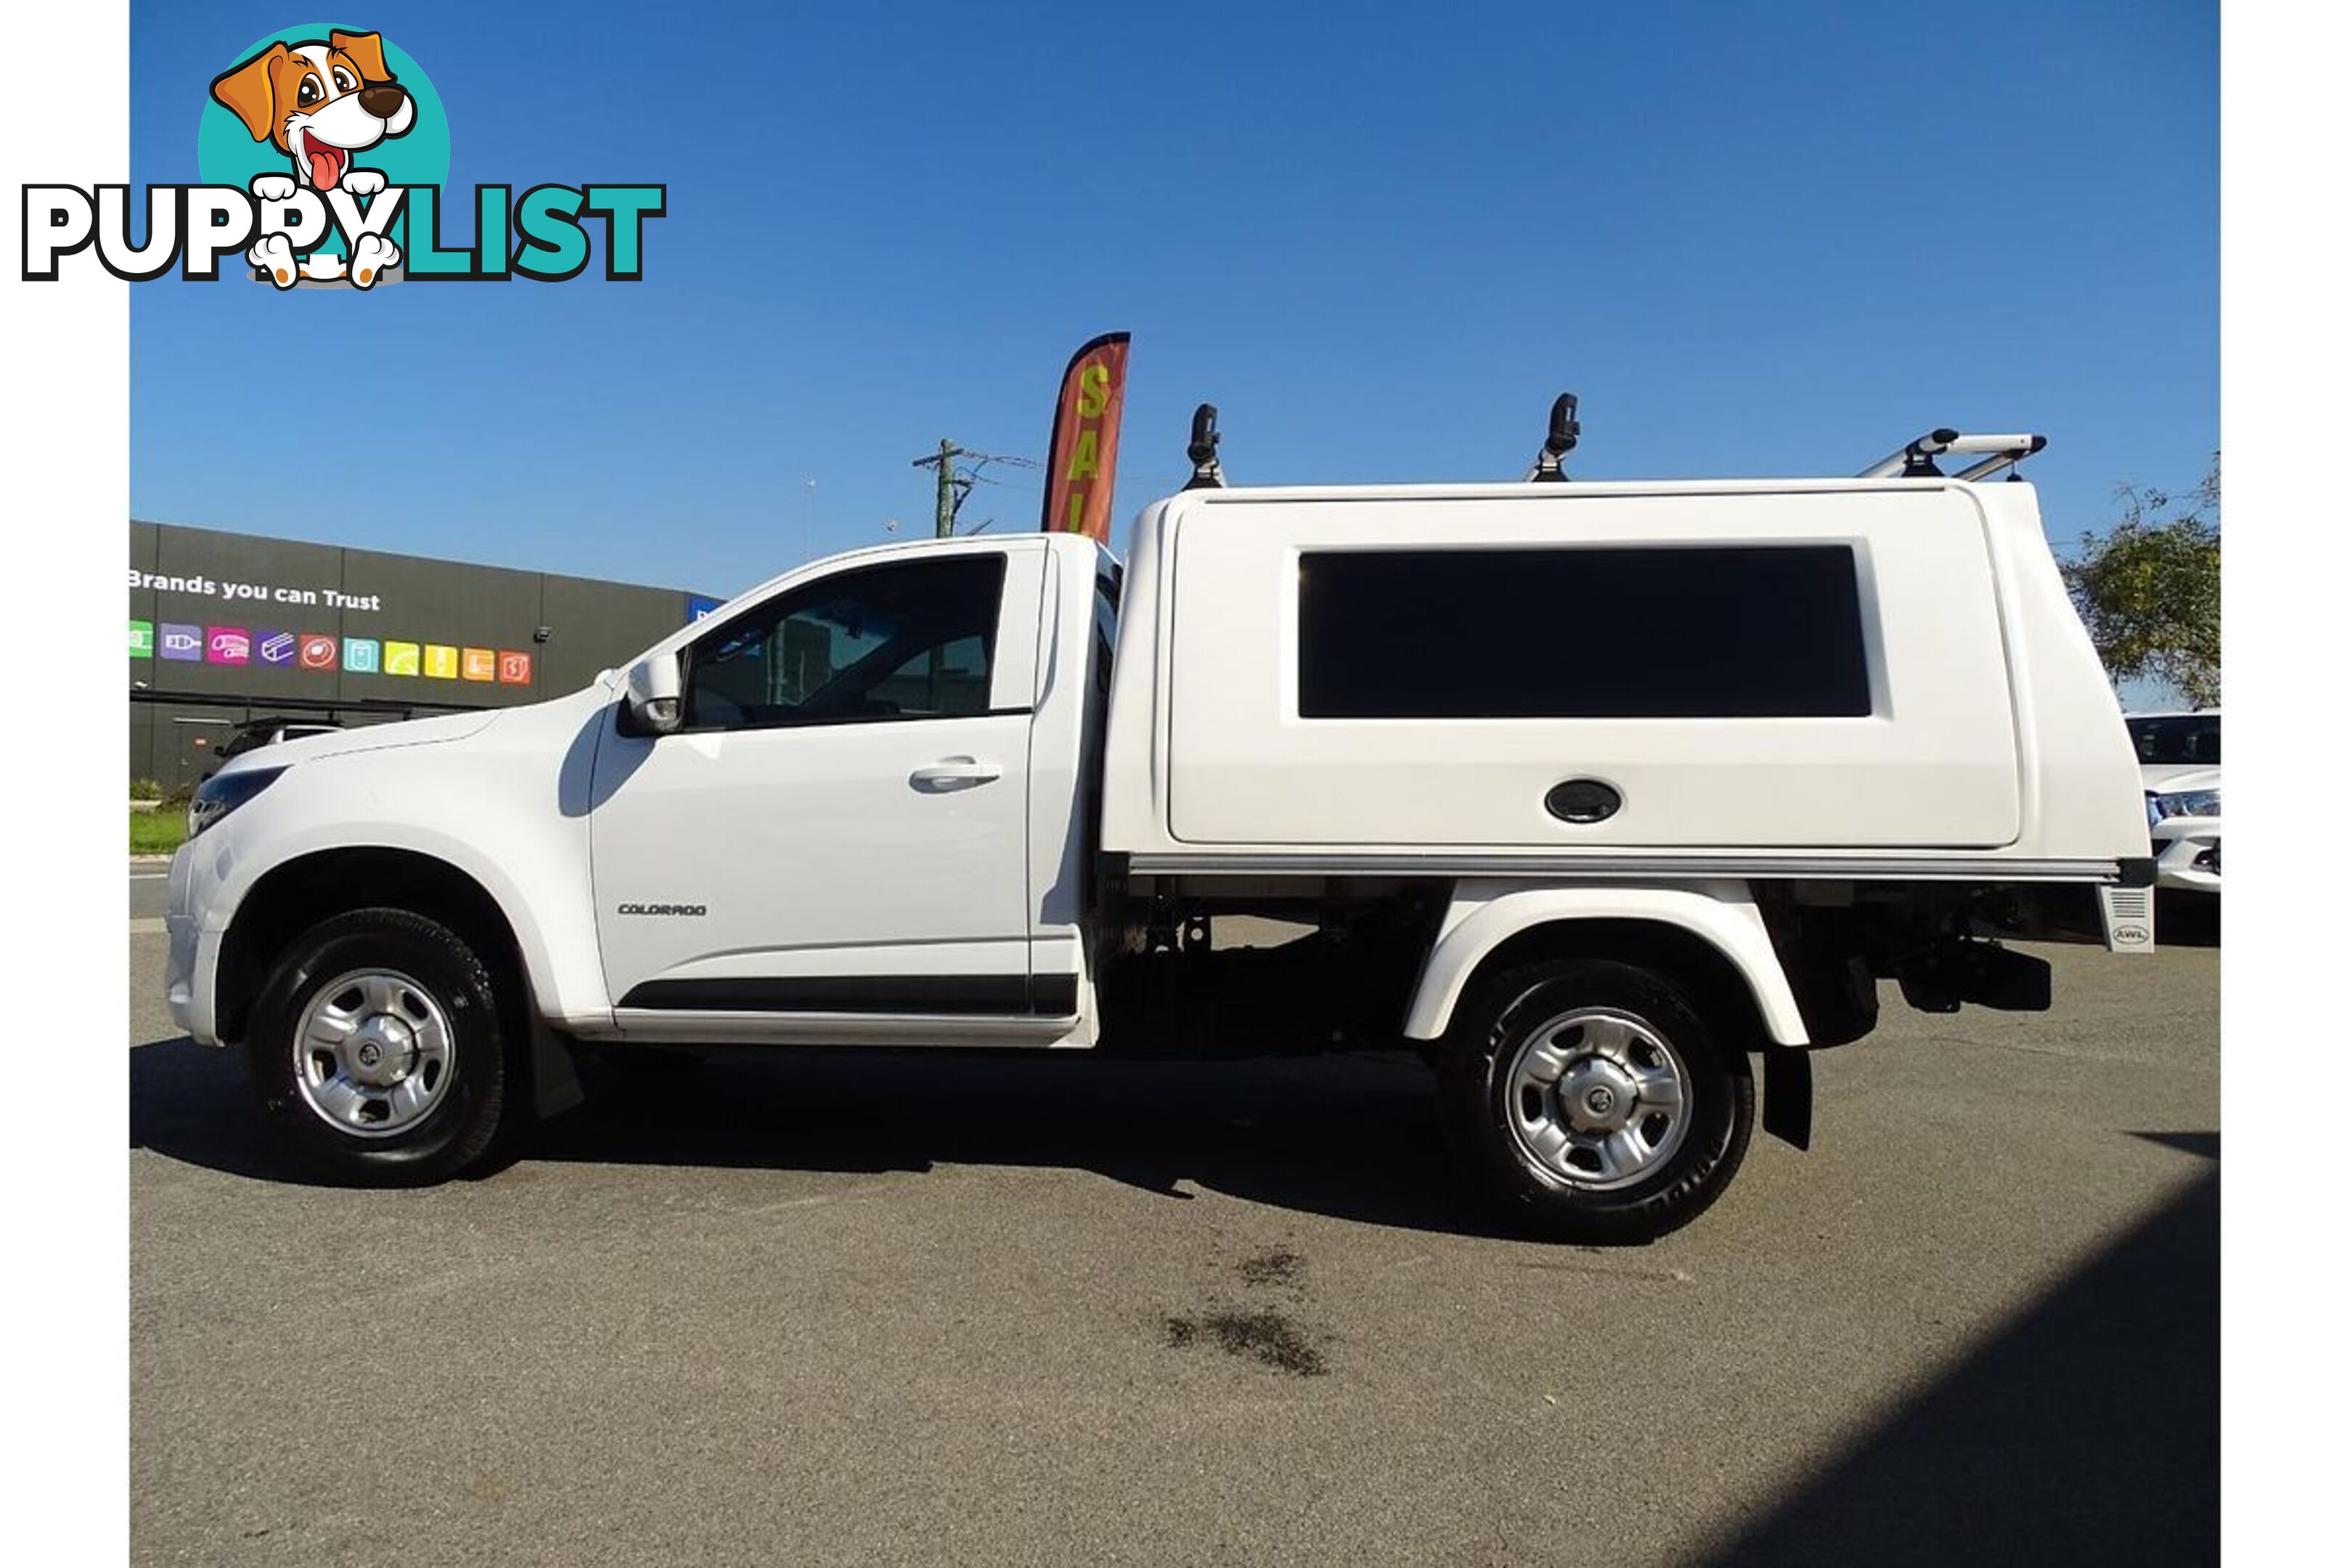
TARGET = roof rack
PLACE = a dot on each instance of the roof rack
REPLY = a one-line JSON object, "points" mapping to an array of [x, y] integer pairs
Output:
{"points": [[1916, 460]]}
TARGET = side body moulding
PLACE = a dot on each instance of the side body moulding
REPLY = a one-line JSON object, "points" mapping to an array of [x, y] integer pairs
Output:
{"points": [[1485, 914]]}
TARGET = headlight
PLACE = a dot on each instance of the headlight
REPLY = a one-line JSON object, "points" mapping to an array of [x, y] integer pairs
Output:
{"points": [[224, 793], [2185, 803]]}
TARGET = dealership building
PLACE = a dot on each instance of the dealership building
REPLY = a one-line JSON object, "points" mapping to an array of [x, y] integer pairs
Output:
{"points": [[228, 628]]}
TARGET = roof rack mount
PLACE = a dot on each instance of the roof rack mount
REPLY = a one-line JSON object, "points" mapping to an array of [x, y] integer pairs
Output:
{"points": [[1560, 440], [1208, 473], [1916, 459]]}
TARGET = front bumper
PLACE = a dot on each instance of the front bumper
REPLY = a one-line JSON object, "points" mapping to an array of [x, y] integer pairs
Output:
{"points": [[2188, 852], [192, 954]]}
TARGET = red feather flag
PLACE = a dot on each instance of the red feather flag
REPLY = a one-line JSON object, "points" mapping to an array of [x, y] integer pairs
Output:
{"points": [[1082, 459]]}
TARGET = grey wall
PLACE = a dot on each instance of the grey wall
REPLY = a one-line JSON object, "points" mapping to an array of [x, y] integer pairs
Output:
{"points": [[385, 599]]}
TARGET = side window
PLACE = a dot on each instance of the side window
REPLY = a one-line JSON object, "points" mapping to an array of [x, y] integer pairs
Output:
{"points": [[951, 677], [1592, 632], [910, 640]]}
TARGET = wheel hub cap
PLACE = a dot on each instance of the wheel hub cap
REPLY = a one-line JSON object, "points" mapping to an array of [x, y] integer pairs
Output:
{"points": [[372, 1053], [380, 1052], [1598, 1098], [1596, 1095]]}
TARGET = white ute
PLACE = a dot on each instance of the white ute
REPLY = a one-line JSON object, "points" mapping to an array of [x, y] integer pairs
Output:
{"points": [[1595, 793]]}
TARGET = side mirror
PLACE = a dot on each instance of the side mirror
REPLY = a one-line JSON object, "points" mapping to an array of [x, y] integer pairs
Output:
{"points": [[651, 705]]}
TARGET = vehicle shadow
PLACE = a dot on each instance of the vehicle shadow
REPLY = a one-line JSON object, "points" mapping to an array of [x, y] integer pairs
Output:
{"points": [[190, 1102], [2187, 920], [1352, 1136], [2088, 1430]]}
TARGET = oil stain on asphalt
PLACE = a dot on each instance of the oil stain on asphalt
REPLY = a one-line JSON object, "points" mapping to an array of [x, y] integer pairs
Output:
{"points": [[1263, 1334], [1280, 1266]]}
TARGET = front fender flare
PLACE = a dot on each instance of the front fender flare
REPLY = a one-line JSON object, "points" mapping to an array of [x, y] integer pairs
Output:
{"points": [[560, 984], [1485, 914]]}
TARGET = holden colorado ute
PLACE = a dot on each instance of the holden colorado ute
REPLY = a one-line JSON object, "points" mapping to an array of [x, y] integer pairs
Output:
{"points": [[1611, 798]]}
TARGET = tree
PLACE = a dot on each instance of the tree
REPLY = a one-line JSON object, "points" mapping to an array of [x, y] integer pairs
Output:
{"points": [[2149, 590]]}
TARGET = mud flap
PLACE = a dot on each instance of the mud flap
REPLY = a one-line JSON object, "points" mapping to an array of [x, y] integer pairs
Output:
{"points": [[1789, 1096], [554, 1077], [2127, 918]]}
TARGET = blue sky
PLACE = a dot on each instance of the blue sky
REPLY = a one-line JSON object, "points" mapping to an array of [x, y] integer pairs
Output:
{"points": [[1758, 240]]}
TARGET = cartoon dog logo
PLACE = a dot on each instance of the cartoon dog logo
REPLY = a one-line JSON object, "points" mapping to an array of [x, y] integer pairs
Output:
{"points": [[319, 102]]}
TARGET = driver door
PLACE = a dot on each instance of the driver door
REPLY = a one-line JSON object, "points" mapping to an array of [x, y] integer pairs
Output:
{"points": [[836, 837]]}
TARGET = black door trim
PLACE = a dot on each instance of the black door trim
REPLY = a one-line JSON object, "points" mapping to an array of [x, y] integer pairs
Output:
{"points": [[1051, 996]]}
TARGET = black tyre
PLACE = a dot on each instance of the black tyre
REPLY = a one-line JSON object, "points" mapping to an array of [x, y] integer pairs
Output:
{"points": [[1594, 1100], [379, 1051]]}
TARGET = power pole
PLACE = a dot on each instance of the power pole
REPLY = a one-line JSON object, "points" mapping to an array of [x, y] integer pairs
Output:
{"points": [[943, 517], [955, 480]]}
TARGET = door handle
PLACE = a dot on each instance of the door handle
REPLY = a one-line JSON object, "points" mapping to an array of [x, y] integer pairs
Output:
{"points": [[954, 773]]}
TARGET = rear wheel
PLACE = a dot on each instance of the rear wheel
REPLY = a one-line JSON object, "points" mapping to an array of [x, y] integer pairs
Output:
{"points": [[377, 1050], [1593, 1101]]}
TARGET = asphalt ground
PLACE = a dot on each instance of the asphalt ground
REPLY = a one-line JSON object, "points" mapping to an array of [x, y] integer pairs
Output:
{"points": [[874, 1310]]}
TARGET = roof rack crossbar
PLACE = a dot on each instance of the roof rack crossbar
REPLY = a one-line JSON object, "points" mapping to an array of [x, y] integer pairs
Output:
{"points": [[1916, 459], [2008, 457]]}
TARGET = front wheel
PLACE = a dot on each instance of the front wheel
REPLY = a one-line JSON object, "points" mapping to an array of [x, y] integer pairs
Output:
{"points": [[1591, 1099], [377, 1052]]}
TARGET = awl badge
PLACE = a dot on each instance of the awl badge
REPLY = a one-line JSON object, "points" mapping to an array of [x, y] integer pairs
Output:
{"points": [[323, 163]]}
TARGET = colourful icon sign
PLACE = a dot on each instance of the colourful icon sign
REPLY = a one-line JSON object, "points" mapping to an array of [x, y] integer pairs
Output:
{"points": [[324, 651]]}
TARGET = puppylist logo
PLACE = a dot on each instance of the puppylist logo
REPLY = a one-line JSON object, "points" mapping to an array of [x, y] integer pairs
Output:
{"points": [[324, 155]]}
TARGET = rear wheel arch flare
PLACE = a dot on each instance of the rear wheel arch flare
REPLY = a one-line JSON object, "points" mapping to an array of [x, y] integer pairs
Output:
{"points": [[1713, 976]]}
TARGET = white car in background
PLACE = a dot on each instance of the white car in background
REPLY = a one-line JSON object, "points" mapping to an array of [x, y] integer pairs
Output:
{"points": [[2180, 769]]}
